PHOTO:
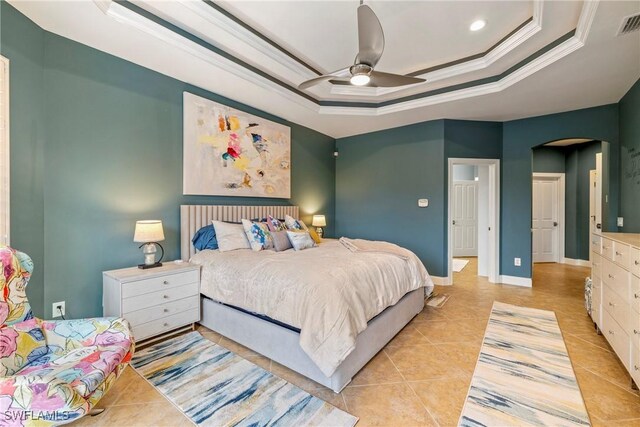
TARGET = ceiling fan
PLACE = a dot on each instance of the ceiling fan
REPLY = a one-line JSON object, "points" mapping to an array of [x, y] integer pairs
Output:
{"points": [[371, 46]]}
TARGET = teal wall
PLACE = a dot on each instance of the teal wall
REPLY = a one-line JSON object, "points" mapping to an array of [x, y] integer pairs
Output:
{"points": [[630, 159], [21, 41], [112, 154], [519, 137], [381, 176], [575, 161]]}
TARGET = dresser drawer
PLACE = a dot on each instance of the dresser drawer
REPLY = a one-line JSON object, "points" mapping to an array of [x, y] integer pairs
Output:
{"points": [[161, 297], [596, 265], [160, 326], [617, 338], [634, 297], [621, 254], [596, 244], [617, 278], [596, 301], [634, 261], [635, 364], [633, 329], [154, 284], [617, 307], [161, 311], [607, 248]]}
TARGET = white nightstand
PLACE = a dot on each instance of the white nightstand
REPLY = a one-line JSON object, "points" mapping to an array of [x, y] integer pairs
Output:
{"points": [[154, 301]]}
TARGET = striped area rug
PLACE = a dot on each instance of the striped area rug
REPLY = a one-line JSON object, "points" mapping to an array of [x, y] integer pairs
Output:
{"points": [[523, 375], [215, 387]]}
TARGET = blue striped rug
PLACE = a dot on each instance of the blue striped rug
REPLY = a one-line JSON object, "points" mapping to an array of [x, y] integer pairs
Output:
{"points": [[523, 375], [215, 387]]}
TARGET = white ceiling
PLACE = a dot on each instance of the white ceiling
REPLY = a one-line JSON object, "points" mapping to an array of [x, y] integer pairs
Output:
{"points": [[593, 67]]}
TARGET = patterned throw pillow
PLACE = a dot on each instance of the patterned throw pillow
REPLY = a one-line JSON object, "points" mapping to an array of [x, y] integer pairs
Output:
{"points": [[300, 240], [280, 241], [258, 235], [275, 224], [230, 236], [20, 344], [294, 224]]}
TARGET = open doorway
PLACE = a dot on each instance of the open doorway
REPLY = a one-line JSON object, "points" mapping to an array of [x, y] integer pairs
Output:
{"points": [[566, 180], [474, 217]]}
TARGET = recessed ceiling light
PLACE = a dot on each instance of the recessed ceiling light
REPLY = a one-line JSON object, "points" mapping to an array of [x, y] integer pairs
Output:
{"points": [[477, 25]]}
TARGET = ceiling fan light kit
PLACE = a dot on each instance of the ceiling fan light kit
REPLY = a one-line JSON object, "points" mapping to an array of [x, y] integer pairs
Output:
{"points": [[371, 46]]}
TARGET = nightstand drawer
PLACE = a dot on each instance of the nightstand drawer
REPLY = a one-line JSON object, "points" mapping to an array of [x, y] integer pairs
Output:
{"points": [[161, 311], [634, 299], [618, 339], [154, 284], [621, 254], [616, 277], [161, 297], [156, 327]]}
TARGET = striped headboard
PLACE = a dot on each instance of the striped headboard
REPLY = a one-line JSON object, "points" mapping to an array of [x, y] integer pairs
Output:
{"points": [[194, 217]]}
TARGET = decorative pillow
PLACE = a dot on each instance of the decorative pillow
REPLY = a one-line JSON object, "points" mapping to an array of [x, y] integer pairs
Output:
{"points": [[258, 235], [20, 344], [230, 236], [280, 241], [275, 224], [205, 238], [300, 240], [314, 236], [294, 224]]}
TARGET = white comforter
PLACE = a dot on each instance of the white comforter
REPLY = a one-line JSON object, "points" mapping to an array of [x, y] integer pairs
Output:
{"points": [[328, 292]]}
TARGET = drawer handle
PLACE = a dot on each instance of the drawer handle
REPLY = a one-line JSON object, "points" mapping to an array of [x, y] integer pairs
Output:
{"points": [[635, 331], [165, 324], [611, 332], [166, 310], [618, 253], [166, 282], [611, 304], [636, 296], [611, 277], [636, 262], [165, 296], [636, 367]]}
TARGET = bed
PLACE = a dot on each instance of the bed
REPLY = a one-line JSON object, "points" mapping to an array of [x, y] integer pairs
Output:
{"points": [[293, 307]]}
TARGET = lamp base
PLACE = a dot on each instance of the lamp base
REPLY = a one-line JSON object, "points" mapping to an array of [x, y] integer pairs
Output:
{"points": [[145, 266]]}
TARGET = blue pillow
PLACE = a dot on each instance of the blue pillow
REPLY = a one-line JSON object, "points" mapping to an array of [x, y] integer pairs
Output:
{"points": [[205, 238]]}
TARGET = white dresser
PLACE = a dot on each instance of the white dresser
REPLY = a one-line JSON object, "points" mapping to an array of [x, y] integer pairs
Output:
{"points": [[155, 300], [615, 271]]}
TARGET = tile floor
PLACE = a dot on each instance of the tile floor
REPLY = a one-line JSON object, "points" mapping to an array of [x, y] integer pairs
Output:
{"points": [[421, 377]]}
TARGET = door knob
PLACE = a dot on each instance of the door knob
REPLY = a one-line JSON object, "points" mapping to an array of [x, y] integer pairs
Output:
{"points": [[555, 224], [454, 222]]}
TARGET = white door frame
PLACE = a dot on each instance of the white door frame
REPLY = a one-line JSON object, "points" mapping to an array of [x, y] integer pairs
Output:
{"points": [[494, 215], [560, 177]]}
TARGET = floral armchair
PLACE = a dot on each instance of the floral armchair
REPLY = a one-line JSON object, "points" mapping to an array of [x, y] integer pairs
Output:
{"points": [[52, 372]]}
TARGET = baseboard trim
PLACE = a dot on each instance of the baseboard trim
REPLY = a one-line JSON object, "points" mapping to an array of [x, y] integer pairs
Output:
{"points": [[578, 262], [441, 281], [517, 281]]}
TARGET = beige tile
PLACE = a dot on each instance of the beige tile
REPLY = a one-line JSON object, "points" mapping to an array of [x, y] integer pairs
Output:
{"points": [[379, 370], [422, 362], [294, 377], [386, 405], [606, 400], [443, 398], [462, 355], [238, 349], [139, 391], [330, 397], [157, 414], [408, 336]]}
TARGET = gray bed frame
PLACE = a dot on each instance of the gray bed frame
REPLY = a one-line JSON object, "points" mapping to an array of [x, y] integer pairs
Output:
{"points": [[277, 342]]}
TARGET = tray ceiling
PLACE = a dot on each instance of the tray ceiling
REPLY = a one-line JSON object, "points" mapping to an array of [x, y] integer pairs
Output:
{"points": [[257, 52]]}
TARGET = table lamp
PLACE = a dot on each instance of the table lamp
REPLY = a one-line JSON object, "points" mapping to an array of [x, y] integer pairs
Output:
{"points": [[149, 233], [319, 221]]}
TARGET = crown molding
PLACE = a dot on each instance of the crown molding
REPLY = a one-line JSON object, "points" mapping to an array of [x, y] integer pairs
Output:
{"points": [[130, 17]]}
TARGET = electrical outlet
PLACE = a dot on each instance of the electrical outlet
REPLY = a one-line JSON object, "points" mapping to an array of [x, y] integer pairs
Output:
{"points": [[517, 262], [56, 311], [620, 221]]}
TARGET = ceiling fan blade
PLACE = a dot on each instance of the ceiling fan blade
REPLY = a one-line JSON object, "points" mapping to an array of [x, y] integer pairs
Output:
{"points": [[380, 79], [370, 37], [344, 72]]}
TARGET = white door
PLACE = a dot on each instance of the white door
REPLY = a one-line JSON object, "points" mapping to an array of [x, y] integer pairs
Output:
{"points": [[465, 218], [546, 247]]}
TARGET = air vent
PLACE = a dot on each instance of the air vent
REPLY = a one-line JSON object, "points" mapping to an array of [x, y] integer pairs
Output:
{"points": [[629, 24]]}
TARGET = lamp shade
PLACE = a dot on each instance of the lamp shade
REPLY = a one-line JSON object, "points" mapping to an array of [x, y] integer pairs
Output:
{"points": [[148, 231], [319, 221]]}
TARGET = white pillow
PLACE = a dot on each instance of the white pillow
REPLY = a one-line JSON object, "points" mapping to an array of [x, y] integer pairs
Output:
{"points": [[300, 240], [230, 236]]}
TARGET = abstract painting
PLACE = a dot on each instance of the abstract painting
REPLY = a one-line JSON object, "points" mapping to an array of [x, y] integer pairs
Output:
{"points": [[228, 152]]}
